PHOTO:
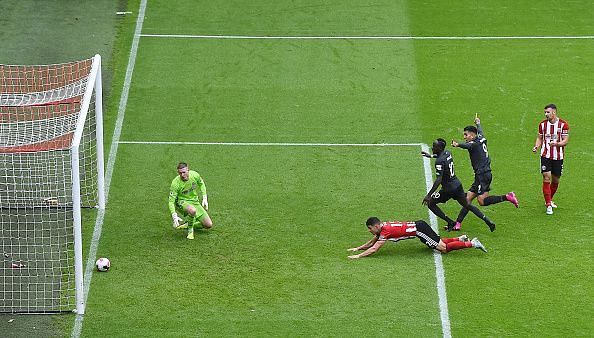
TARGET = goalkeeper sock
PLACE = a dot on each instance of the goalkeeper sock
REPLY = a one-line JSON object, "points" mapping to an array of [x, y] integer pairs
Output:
{"points": [[196, 222]]}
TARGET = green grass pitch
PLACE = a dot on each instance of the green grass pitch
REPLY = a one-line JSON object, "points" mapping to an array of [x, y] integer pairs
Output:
{"points": [[275, 263]]}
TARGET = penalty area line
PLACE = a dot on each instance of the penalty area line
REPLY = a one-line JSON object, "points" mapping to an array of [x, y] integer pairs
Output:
{"points": [[272, 144], [248, 37]]}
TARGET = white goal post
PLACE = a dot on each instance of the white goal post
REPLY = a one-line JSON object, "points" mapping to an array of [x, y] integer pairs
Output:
{"points": [[51, 175]]}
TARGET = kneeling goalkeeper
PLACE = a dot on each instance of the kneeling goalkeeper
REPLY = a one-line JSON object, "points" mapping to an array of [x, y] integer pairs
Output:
{"points": [[183, 198]]}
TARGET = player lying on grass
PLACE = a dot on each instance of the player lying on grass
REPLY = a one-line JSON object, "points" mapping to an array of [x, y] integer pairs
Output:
{"points": [[450, 186], [397, 231], [183, 198], [476, 144]]}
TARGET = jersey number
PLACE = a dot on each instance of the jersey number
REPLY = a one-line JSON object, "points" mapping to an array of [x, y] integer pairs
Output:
{"points": [[451, 165], [485, 150]]}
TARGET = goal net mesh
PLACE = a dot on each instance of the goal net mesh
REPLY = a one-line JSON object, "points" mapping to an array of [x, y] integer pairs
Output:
{"points": [[40, 108]]}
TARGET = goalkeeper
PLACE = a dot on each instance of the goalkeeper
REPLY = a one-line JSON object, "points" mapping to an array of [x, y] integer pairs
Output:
{"points": [[183, 198]]}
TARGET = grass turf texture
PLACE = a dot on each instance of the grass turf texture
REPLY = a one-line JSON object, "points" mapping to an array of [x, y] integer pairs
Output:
{"points": [[303, 91]]}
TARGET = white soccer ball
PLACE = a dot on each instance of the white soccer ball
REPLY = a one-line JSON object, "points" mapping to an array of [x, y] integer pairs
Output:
{"points": [[103, 264]]}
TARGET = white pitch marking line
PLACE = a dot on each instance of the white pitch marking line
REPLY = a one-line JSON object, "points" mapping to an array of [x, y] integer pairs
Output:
{"points": [[439, 272], [77, 329], [269, 144], [247, 37]]}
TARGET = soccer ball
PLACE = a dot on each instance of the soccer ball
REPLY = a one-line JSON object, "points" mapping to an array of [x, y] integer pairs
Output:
{"points": [[103, 264]]}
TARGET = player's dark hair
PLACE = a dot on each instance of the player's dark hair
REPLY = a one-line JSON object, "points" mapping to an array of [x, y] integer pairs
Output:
{"points": [[371, 221], [441, 142], [182, 165], [550, 105], [471, 129]]}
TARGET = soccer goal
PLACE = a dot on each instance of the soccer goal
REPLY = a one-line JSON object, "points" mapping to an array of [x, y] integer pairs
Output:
{"points": [[51, 176]]}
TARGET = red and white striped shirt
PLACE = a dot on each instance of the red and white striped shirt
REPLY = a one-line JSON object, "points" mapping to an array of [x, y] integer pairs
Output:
{"points": [[552, 132]]}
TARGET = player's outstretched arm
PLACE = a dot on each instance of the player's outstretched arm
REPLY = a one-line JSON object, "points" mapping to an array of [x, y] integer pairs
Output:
{"points": [[370, 251], [365, 246], [202, 187]]}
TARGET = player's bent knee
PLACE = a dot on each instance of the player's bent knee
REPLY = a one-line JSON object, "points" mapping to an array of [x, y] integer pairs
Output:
{"points": [[207, 223]]}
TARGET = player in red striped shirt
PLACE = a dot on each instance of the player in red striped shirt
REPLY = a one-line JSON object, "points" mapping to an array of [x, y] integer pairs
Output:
{"points": [[553, 135], [396, 231]]}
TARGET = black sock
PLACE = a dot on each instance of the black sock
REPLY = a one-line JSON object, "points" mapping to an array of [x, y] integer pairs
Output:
{"points": [[476, 211], [494, 199], [437, 211], [462, 215]]}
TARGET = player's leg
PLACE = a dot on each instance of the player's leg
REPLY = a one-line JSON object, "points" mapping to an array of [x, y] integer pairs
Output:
{"points": [[545, 168], [428, 236], [484, 187], [556, 172], [190, 209], [461, 198], [437, 197], [206, 221], [470, 196]]}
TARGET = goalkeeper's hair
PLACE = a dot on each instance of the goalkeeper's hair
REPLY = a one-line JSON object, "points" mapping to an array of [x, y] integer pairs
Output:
{"points": [[182, 165], [471, 129], [371, 221]]}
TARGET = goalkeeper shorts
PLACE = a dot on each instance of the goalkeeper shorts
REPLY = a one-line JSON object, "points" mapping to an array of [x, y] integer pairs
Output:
{"points": [[200, 212]]}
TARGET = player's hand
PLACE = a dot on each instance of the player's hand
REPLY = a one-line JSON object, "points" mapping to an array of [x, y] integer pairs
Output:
{"points": [[426, 200], [205, 202], [425, 154], [176, 220], [353, 249], [354, 256], [534, 149], [455, 144]]}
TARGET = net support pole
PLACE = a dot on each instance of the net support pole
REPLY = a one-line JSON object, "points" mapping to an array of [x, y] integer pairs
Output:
{"points": [[77, 223], [99, 134]]}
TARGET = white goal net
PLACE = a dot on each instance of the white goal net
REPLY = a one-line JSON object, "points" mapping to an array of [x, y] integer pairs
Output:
{"points": [[51, 174]]}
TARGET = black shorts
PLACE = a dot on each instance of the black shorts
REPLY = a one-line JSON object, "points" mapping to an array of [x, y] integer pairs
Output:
{"points": [[554, 166], [443, 195], [482, 183], [426, 234]]}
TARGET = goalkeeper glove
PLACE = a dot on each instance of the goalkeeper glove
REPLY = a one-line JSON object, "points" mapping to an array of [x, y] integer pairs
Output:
{"points": [[176, 220], [205, 202]]}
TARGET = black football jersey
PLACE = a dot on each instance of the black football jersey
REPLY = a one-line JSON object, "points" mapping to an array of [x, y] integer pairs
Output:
{"points": [[479, 154], [444, 167]]}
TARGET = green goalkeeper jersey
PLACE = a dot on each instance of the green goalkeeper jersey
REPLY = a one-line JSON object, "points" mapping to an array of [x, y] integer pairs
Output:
{"points": [[186, 190]]}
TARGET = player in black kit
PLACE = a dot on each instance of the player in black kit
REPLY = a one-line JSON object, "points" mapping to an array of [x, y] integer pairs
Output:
{"points": [[476, 144], [450, 186]]}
